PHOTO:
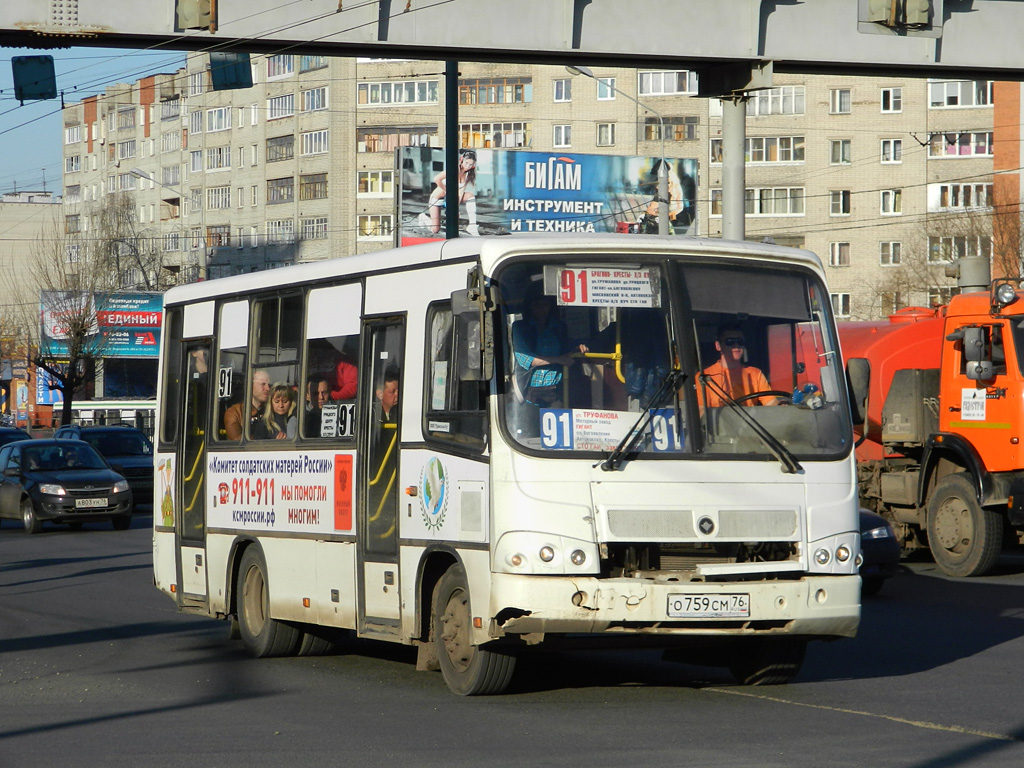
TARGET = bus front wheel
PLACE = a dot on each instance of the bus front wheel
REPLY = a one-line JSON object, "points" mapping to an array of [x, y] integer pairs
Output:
{"points": [[261, 635], [468, 670]]}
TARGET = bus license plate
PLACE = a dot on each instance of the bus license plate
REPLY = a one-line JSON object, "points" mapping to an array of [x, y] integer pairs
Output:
{"points": [[731, 606], [90, 503]]}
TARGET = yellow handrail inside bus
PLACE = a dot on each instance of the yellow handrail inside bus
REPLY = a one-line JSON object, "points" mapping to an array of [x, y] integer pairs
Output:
{"points": [[195, 466], [383, 500], [387, 455]]}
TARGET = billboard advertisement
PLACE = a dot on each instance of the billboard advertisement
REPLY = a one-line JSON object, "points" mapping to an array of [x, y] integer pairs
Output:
{"points": [[503, 191], [120, 324]]}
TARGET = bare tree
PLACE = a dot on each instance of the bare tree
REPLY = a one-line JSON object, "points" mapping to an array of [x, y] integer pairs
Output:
{"points": [[83, 261]]}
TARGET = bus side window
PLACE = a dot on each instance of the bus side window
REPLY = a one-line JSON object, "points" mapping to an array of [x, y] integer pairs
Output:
{"points": [[332, 353], [455, 411], [275, 395], [232, 362]]}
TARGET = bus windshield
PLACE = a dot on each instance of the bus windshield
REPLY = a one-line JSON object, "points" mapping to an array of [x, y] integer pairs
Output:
{"points": [[671, 358]]}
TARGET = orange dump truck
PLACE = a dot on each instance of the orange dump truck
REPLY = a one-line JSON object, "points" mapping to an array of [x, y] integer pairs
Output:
{"points": [[938, 400]]}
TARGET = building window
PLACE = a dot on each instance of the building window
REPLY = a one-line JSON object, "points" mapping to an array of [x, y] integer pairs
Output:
{"points": [[892, 151], [170, 109], [280, 148], [125, 118], [774, 201], [839, 202], [314, 229], [309, 63], [72, 253], [891, 202], [125, 149], [892, 100], [280, 190], [945, 94], [196, 160], [959, 197], [280, 232], [396, 93], [562, 136], [964, 144], [388, 138], [496, 90], [605, 134], [890, 254], [839, 254], [196, 83], [218, 158], [72, 164], [218, 198], [766, 149], [73, 193], [72, 134], [170, 176], [314, 99], [676, 128], [125, 182], [839, 101], [563, 89], [195, 122], [218, 236], [606, 89], [375, 227], [892, 301], [376, 184], [72, 224], [172, 241], [840, 304], [496, 135], [281, 106], [946, 249], [783, 100], [313, 186], [218, 119], [170, 141], [839, 152], [667, 83], [941, 294], [280, 65], [314, 142]]}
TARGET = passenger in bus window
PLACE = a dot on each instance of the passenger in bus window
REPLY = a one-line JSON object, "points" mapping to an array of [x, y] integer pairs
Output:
{"points": [[318, 392], [345, 380], [278, 423], [731, 373], [541, 350], [260, 393], [385, 409]]}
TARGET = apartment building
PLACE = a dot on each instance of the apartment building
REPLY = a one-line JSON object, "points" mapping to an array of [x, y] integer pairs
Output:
{"points": [[889, 180]]}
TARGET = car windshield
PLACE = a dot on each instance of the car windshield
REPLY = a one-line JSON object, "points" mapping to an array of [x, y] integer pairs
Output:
{"points": [[590, 346], [52, 458], [123, 444]]}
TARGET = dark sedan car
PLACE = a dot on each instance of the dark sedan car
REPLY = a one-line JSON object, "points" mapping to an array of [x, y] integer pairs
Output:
{"points": [[880, 550], [10, 434], [128, 451], [63, 481]]}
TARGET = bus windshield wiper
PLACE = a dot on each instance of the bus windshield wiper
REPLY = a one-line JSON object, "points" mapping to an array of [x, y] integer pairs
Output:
{"points": [[673, 379], [781, 452]]}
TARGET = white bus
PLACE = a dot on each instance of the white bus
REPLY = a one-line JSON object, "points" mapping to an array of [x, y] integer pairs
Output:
{"points": [[481, 479], [135, 413]]}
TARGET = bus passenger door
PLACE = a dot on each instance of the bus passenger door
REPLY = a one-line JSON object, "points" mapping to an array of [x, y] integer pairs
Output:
{"points": [[191, 531], [382, 375]]}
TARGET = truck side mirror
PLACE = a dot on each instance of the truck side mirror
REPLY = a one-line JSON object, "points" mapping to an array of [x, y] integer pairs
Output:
{"points": [[974, 344], [980, 370], [474, 335], [858, 375]]}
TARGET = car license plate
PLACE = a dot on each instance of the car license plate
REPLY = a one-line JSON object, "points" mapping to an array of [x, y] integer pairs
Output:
{"points": [[90, 503], [730, 606]]}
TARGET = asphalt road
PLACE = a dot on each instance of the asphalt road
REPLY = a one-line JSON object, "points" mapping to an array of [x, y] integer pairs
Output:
{"points": [[98, 669]]}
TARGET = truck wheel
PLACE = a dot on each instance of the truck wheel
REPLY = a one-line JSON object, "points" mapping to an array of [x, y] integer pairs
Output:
{"points": [[768, 660], [469, 670], [261, 635], [964, 537]]}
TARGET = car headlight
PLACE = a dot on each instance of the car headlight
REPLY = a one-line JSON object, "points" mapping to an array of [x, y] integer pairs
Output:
{"points": [[120, 486], [52, 489], [881, 532]]}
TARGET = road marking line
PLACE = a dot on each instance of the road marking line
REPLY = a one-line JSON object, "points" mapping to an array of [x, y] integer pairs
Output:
{"points": [[905, 721]]}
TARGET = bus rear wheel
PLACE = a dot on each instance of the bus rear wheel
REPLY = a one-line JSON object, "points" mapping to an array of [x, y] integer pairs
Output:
{"points": [[261, 635], [964, 537], [768, 660], [468, 670]]}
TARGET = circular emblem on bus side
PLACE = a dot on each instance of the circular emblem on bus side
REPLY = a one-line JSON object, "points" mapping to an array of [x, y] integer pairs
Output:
{"points": [[706, 526], [433, 493]]}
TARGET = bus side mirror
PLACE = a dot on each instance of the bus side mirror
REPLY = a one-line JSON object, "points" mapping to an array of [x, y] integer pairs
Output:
{"points": [[474, 335], [858, 376]]}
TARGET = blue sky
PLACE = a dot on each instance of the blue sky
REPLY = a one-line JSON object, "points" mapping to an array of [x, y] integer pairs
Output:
{"points": [[31, 135]]}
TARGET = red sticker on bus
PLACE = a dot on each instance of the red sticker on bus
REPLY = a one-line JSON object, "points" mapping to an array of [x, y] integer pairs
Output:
{"points": [[342, 492]]}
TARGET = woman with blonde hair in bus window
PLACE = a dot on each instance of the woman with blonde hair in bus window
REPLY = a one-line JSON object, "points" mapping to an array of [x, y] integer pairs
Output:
{"points": [[279, 420]]}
